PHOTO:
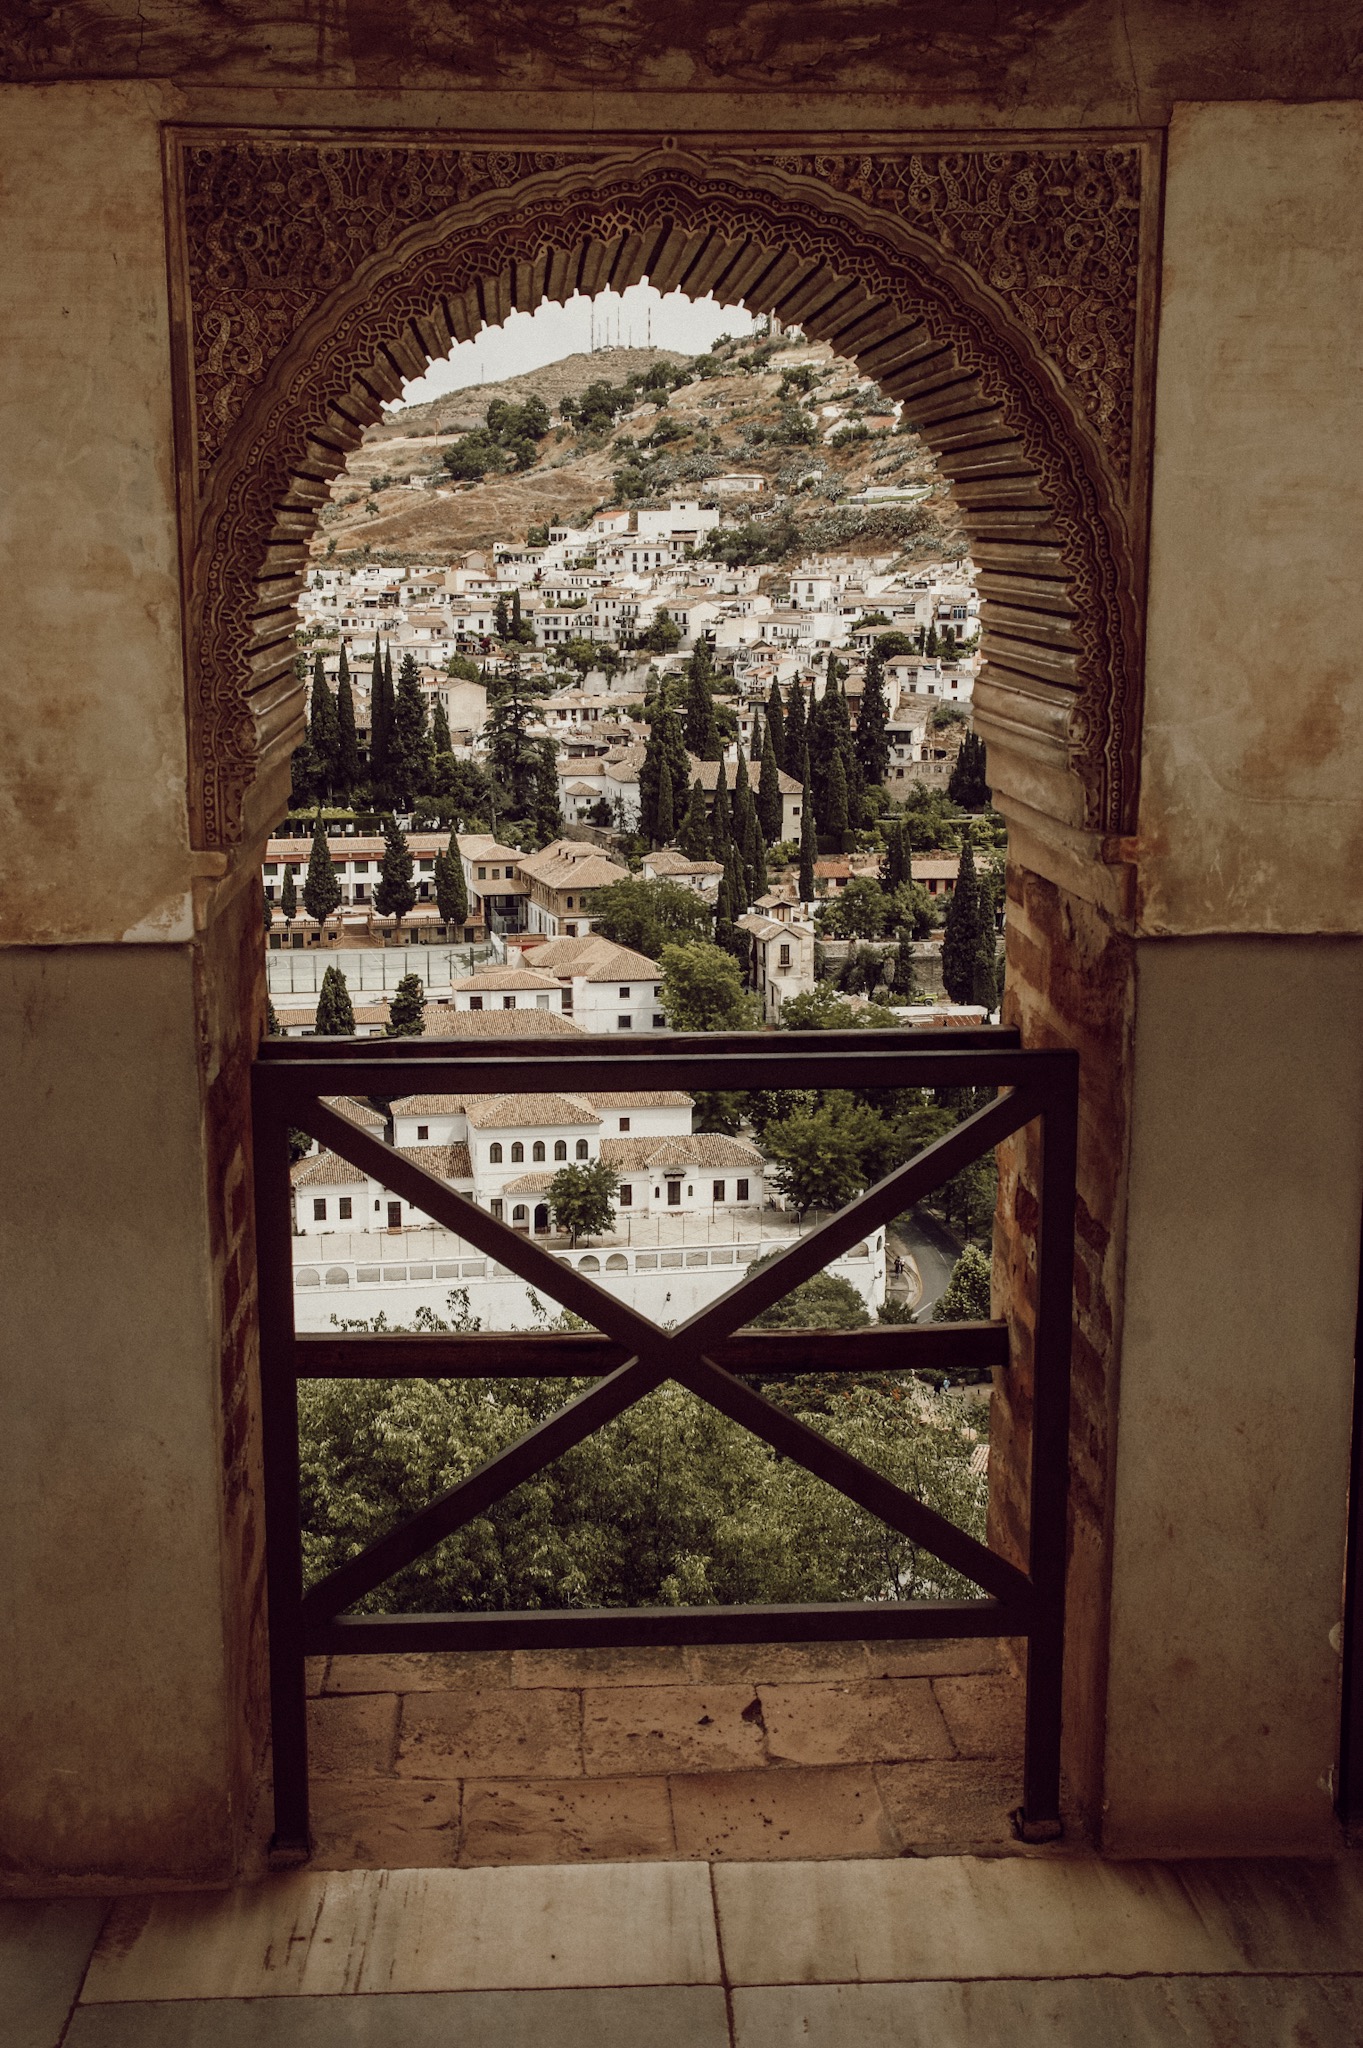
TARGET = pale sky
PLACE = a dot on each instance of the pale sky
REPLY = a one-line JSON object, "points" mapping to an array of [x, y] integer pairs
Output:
{"points": [[529, 340]]}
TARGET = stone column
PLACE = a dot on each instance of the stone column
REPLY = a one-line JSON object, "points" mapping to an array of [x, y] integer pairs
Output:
{"points": [[130, 1722]]}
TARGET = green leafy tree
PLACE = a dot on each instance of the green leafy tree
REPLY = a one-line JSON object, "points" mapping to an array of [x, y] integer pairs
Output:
{"points": [[515, 754], [396, 890], [451, 889], [694, 836], [409, 753], [288, 896], [818, 1158], [769, 790], [699, 730], [828, 1302], [407, 1011], [702, 990], [820, 1008], [582, 1199], [856, 912], [663, 634], [968, 785], [646, 916], [910, 907], [776, 724], [966, 1296], [335, 1012], [347, 739], [870, 739], [809, 843], [321, 890]]}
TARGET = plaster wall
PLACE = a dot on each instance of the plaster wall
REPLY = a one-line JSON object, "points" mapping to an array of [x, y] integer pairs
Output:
{"points": [[1245, 1190], [92, 787], [116, 1719], [1252, 778]]}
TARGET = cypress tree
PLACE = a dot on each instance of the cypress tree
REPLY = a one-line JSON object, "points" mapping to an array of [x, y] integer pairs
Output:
{"points": [[894, 868], [501, 625], [548, 811], [396, 891], [724, 915], [335, 1011], [288, 896], [903, 980], [407, 1011], [694, 836], [967, 919], [835, 815], [769, 791], [380, 720], [743, 802], [969, 784], [871, 742], [322, 726], [699, 730], [321, 890], [409, 747], [664, 823], [347, 740], [517, 631], [451, 890], [797, 730], [776, 724], [755, 860], [809, 844], [721, 818], [441, 742], [271, 1021], [755, 748]]}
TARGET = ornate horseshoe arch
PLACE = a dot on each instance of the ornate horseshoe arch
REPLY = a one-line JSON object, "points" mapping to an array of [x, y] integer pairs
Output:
{"points": [[999, 291]]}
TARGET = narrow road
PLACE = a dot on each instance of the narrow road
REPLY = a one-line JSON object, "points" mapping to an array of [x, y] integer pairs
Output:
{"points": [[935, 1250]]}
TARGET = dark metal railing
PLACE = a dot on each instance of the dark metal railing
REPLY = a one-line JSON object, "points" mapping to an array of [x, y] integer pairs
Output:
{"points": [[627, 1356]]}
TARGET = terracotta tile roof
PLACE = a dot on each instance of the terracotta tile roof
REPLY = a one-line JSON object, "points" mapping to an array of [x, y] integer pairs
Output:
{"points": [[595, 872], [595, 959], [357, 1112], [708, 772], [528, 1184], [325, 1170], [365, 1013], [505, 978], [482, 846], [442, 1021], [643, 1098], [429, 1105], [448, 1162], [704, 1149], [528, 1112]]}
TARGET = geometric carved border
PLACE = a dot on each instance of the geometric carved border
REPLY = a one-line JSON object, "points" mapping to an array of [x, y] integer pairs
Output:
{"points": [[1000, 290]]}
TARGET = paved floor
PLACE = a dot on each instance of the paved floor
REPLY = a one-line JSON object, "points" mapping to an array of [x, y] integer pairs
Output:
{"points": [[747, 1754], [929, 1952]]}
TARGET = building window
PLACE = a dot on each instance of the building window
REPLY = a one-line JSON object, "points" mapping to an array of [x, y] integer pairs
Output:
{"points": [[541, 1002], [518, 1154], [482, 874], [508, 1002], [626, 1197], [520, 1214], [624, 995], [582, 1149], [717, 1191], [741, 1191], [673, 1193], [319, 1210], [537, 1150], [422, 1131], [624, 1023], [345, 1208], [560, 1148], [659, 1022], [395, 1215], [496, 1207], [624, 1123], [494, 1154], [475, 1002]]}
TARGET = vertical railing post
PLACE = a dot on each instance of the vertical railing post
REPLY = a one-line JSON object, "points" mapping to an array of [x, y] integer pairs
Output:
{"points": [[291, 1842], [1058, 1097]]}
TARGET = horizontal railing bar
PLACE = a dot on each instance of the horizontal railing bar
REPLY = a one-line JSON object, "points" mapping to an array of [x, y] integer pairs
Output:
{"points": [[545, 1354], [607, 1628], [947, 1038], [286, 1084]]}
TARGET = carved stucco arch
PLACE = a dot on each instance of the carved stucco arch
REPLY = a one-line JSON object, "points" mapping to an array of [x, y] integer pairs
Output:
{"points": [[1025, 391]]}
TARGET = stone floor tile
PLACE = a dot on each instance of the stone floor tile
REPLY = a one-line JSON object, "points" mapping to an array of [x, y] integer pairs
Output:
{"points": [[775, 1663], [663, 1665], [1094, 2012], [315, 1934], [963, 1806], [926, 1659], [984, 1712], [420, 1671], [44, 1947], [758, 1816], [493, 1733], [869, 1720], [352, 1737], [966, 1917], [579, 1820], [657, 1730], [384, 1824], [668, 2016]]}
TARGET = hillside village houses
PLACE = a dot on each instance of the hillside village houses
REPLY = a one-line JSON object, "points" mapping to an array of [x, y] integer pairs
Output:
{"points": [[692, 1209]]}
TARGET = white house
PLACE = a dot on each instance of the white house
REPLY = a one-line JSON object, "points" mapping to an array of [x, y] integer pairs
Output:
{"points": [[605, 987], [783, 960]]}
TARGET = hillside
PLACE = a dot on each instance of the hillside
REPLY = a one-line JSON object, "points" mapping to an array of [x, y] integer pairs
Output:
{"points": [[742, 413]]}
